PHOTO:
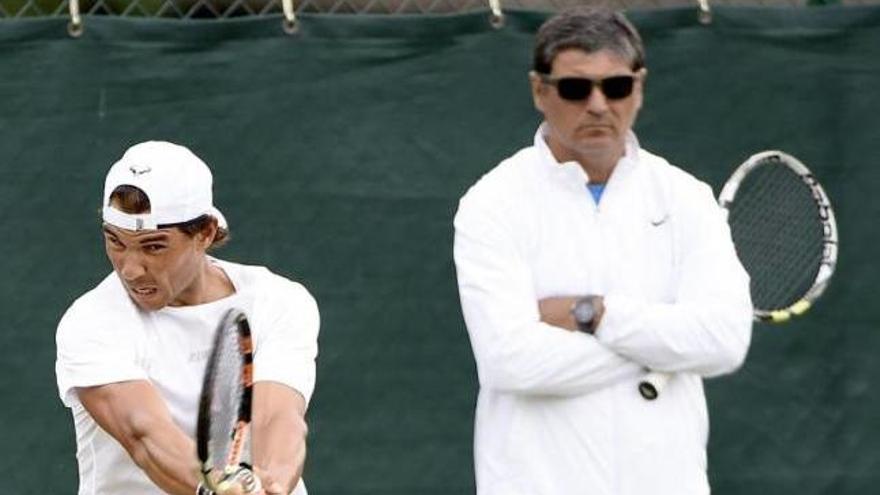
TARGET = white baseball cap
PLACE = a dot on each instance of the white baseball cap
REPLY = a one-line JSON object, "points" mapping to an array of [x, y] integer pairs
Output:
{"points": [[176, 181]]}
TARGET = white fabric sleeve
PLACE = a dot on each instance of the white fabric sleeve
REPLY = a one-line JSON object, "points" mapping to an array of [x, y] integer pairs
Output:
{"points": [[287, 343], [708, 328], [91, 351], [515, 351]]}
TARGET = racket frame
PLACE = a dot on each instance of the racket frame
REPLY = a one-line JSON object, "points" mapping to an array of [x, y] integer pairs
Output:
{"points": [[237, 319], [830, 242]]}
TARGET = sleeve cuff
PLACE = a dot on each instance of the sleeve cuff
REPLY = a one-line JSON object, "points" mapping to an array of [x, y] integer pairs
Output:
{"points": [[619, 312], [85, 378]]}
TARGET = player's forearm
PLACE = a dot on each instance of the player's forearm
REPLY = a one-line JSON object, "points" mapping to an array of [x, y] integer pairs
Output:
{"points": [[279, 436], [280, 452], [167, 456], [134, 414]]}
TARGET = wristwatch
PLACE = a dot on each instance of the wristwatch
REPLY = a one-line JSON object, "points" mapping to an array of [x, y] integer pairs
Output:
{"points": [[584, 310]]}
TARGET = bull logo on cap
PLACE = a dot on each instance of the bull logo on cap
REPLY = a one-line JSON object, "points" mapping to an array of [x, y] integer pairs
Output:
{"points": [[139, 169]]}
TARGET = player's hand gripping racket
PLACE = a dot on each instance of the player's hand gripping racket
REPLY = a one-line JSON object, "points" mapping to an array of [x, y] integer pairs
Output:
{"points": [[785, 234], [225, 408]]}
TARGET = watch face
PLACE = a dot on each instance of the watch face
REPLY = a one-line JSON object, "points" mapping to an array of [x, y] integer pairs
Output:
{"points": [[584, 311]]}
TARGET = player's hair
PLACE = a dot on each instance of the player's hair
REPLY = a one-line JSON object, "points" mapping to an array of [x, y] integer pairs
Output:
{"points": [[590, 29], [134, 201]]}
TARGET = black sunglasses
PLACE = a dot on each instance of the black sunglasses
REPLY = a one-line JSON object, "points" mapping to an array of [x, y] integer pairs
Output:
{"points": [[579, 88]]}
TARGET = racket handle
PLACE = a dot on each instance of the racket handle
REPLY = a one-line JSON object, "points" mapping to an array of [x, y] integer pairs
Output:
{"points": [[249, 481], [652, 384], [242, 476]]}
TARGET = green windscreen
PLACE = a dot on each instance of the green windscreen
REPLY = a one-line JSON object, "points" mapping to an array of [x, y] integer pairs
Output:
{"points": [[339, 155]]}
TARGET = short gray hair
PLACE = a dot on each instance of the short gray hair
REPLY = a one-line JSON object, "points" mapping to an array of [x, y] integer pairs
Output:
{"points": [[590, 29]]}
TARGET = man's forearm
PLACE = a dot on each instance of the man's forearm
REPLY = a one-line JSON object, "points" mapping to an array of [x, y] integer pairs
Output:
{"points": [[280, 454], [707, 339], [279, 436], [135, 415], [168, 459], [557, 311]]}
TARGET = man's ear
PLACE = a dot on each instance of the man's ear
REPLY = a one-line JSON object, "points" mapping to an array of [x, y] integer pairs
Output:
{"points": [[539, 90], [205, 237], [642, 75]]}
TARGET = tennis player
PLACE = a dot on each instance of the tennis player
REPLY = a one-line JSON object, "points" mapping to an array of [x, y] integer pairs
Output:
{"points": [[582, 261], [132, 351]]}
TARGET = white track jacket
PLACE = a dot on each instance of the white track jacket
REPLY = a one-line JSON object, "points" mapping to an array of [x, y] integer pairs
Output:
{"points": [[558, 411]]}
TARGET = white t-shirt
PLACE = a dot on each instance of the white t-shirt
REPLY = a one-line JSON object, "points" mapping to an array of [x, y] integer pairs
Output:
{"points": [[104, 337]]}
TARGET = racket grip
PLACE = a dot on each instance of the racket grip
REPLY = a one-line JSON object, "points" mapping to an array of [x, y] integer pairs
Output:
{"points": [[653, 383], [241, 476], [246, 478]]}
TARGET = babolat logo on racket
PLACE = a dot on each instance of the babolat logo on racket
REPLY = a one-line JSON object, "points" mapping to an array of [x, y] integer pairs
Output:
{"points": [[821, 201], [826, 215]]}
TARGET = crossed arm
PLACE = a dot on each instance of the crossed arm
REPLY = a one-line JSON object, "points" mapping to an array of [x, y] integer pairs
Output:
{"points": [[523, 344], [135, 415]]}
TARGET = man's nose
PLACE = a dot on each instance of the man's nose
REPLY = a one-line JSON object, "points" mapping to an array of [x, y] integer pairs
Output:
{"points": [[131, 266], [596, 100]]}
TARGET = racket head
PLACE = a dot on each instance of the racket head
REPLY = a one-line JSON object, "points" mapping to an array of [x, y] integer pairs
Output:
{"points": [[225, 401], [784, 230]]}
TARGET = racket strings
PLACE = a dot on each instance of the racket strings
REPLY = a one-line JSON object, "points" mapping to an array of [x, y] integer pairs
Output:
{"points": [[775, 225], [226, 394]]}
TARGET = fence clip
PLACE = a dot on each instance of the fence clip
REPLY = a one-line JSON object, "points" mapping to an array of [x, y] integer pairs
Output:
{"points": [[705, 14], [75, 26], [290, 24], [497, 17]]}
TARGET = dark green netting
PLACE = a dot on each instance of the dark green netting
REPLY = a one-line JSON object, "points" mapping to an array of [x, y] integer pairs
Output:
{"points": [[339, 155]]}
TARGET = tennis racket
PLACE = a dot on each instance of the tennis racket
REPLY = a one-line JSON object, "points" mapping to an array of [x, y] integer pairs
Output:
{"points": [[225, 408], [785, 235]]}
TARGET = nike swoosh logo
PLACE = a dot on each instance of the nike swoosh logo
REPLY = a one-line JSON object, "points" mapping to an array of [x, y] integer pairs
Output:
{"points": [[660, 221]]}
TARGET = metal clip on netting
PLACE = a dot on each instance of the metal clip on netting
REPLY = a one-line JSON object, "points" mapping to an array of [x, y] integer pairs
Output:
{"points": [[75, 26], [497, 17], [289, 23], [705, 14]]}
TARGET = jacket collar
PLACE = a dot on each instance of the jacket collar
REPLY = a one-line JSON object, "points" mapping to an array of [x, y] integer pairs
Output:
{"points": [[571, 173]]}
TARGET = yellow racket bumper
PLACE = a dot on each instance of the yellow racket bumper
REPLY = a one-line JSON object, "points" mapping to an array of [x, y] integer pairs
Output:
{"points": [[800, 307]]}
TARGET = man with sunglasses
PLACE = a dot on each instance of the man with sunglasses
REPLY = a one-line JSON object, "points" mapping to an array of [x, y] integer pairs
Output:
{"points": [[583, 261]]}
